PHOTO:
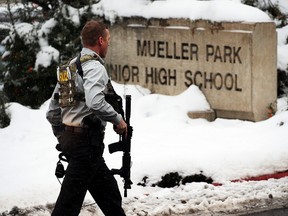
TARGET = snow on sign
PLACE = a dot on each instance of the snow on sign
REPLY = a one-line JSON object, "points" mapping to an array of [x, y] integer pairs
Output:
{"points": [[234, 64]]}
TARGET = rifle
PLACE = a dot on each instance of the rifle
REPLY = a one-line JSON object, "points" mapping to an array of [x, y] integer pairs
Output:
{"points": [[124, 144]]}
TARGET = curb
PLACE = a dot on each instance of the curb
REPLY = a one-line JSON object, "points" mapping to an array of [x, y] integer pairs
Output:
{"points": [[277, 175]]}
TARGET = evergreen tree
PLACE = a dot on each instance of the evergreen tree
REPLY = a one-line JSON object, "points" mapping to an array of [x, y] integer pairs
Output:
{"points": [[23, 83], [19, 79], [65, 37], [4, 117]]}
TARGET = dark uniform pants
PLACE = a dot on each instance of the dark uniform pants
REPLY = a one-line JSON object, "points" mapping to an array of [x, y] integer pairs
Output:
{"points": [[86, 171]]}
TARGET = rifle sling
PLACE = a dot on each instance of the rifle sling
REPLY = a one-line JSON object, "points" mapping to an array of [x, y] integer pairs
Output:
{"points": [[78, 65]]}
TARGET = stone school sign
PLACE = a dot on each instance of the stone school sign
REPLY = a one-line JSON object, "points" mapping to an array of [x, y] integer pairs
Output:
{"points": [[234, 64]]}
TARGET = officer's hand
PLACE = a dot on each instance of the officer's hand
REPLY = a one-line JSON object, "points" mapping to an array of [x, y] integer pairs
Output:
{"points": [[121, 128]]}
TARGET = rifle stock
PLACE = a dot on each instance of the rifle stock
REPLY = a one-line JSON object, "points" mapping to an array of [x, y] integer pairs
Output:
{"points": [[124, 144]]}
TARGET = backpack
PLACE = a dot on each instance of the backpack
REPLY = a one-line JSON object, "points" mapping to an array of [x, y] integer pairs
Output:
{"points": [[66, 75], [68, 95]]}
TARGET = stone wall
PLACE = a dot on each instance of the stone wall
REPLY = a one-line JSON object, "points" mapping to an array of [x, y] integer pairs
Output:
{"points": [[234, 64]]}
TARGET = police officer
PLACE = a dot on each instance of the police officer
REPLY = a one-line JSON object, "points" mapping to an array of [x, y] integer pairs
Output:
{"points": [[80, 130]]}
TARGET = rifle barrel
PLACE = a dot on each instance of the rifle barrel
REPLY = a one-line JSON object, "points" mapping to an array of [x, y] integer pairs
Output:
{"points": [[128, 109]]}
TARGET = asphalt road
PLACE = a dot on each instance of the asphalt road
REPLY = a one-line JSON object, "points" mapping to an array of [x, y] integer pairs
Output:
{"points": [[279, 208], [271, 212]]}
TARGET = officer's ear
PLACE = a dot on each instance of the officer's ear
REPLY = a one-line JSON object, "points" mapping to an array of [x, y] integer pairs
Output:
{"points": [[100, 40]]}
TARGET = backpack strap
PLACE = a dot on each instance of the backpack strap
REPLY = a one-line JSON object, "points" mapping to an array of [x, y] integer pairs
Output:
{"points": [[80, 60]]}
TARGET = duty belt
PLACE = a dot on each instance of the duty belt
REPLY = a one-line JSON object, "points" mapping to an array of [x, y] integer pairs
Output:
{"points": [[83, 129], [75, 129]]}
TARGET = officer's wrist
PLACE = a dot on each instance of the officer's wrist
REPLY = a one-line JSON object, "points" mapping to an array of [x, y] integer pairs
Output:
{"points": [[117, 119]]}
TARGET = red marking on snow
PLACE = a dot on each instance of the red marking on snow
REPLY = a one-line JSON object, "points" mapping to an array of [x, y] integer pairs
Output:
{"points": [[260, 178]]}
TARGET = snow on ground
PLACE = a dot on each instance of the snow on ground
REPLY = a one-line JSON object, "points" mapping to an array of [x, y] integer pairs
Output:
{"points": [[164, 140]]}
